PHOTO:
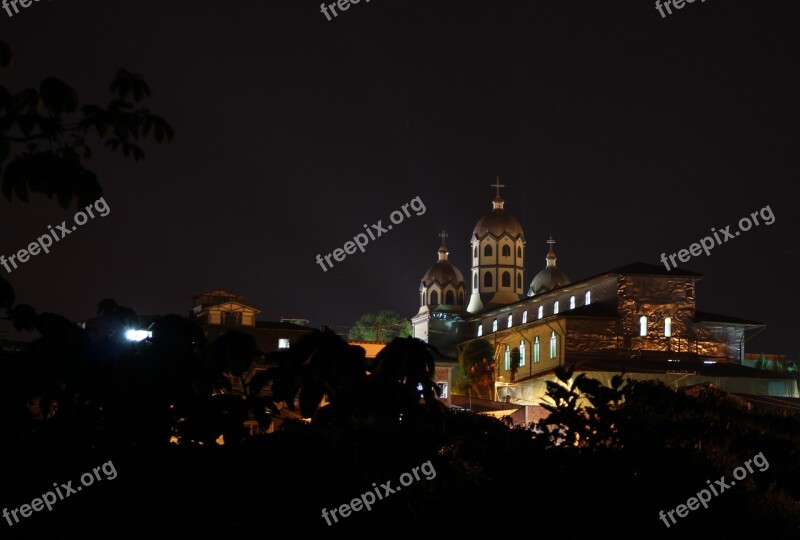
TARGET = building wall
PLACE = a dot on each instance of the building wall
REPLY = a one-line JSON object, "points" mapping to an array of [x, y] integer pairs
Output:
{"points": [[513, 338], [656, 298], [592, 334]]}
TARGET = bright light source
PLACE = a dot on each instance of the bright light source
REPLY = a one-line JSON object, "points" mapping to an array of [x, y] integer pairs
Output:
{"points": [[137, 335]]}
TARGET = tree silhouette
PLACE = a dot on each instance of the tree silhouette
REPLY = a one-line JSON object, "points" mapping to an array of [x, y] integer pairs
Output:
{"points": [[383, 325], [47, 147]]}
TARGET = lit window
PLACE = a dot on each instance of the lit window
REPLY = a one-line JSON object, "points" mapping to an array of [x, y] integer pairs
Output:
{"points": [[510, 319], [524, 316], [642, 325], [522, 353], [571, 302], [508, 358], [283, 343], [480, 330], [506, 251], [588, 299], [555, 308], [442, 389], [553, 344], [536, 350], [541, 311], [668, 327], [494, 325]]}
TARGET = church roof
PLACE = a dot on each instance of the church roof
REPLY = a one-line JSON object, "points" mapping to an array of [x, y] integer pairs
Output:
{"points": [[646, 269], [497, 223], [550, 277], [443, 272], [704, 316]]}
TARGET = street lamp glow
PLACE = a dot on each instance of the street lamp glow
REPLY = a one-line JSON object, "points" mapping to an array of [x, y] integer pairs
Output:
{"points": [[137, 335]]}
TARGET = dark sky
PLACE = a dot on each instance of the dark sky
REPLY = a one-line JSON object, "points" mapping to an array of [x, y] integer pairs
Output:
{"points": [[621, 133]]}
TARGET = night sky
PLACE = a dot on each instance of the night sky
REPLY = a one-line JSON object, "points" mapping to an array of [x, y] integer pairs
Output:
{"points": [[620, 133]]}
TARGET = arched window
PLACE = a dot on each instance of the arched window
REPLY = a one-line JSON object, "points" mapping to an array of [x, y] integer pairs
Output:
{"points": [[434, 298], [519, 281], [541, 312], [506, 250], [480, 330], [555, 308], [475, 281], [668, 327], [524, 316], [522, 353], [449, 298], [508, 358], [487, 279], [461, 299], [553, 344], [571, 302], [494, 325], [519, 252], [536, 350], [642, 325], [487, 250], [506, 279], [510, 321], [588, 299]]}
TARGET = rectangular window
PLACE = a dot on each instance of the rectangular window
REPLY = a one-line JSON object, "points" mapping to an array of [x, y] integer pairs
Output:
{"points": [[553, 345], [536, 350], [231, 318], [522, 353], [442, 389], [524, 316], [283, 343]]}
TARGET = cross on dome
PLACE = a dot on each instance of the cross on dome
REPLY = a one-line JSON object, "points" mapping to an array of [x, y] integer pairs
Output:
{"points": [[497, 185]]}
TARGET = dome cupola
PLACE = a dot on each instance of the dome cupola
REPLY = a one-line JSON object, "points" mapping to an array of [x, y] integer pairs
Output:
{"points": [[551, 277]]}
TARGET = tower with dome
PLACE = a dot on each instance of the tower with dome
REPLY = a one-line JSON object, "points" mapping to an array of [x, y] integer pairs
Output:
{"points": [[498, 254]]}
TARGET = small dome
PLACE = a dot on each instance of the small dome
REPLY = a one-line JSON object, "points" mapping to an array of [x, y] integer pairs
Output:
{"points": [[497, 222], [551, 277], [443, 272]]}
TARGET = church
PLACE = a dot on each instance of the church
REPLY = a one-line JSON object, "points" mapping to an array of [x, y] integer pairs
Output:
{"points": [[639, 319]]}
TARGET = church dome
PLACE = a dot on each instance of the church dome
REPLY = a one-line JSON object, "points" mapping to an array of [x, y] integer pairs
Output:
{"points": [[442, 272], [497, 222], [550, 278]]}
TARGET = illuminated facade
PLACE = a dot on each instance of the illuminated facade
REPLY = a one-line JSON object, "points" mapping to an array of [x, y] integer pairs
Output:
{"points": [[639, 318]]}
